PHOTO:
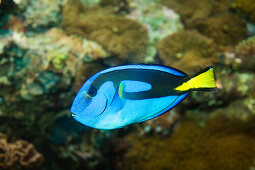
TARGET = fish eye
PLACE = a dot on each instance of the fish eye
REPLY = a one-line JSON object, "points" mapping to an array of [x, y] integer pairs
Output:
{"points": [[92, 92]]}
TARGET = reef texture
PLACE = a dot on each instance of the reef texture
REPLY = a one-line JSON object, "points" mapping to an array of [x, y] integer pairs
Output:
{"points": [[161, 125], [121, 37], [40, 13], [224, 29], [49, 49], [245, 8], [160, 22], [212, 18], [191, 11], [37, 80], [245, 54], [184, 48], [20, 154], [190, 146]]}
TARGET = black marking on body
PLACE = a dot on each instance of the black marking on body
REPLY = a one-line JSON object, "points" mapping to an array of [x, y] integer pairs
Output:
{"points": [[163, 83]]}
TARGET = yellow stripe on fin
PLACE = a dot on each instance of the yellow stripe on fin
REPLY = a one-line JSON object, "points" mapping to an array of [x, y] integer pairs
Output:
{"points": [[204, 80]]}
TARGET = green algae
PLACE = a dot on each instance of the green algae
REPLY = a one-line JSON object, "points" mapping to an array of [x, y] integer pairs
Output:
{"points": [[59, 60]]}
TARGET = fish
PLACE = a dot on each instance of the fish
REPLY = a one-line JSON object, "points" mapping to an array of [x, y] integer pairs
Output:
{"points": [[128, 94]]}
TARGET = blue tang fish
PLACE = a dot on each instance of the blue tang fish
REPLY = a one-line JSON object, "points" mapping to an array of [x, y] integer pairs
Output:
{"points": [[123, 95]]}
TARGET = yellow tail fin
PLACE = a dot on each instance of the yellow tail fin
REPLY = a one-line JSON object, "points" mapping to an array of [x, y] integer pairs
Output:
{"points": [[204, 80]]}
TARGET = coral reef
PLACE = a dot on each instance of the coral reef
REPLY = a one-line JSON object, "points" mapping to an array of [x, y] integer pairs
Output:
{"points": [[19, 154], [160, 22], [246, 8], [245, 52], [90, 3], [212, 18], [37, 78], [191, 11], [41, 13], [120, 6], [190, 147], [230, 86], [161, 125], [224, 29], [49, 49], [184, 48], [55, 48], [119, 36]]}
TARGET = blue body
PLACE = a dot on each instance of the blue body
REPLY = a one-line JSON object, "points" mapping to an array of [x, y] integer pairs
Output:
{"points": [[123, 95]]}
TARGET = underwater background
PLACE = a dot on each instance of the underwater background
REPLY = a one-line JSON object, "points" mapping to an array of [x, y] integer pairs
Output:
{"points": [[49, 48]]}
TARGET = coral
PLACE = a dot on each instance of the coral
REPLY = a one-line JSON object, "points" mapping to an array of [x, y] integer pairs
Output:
{"points": [[211, 18], [15, 25], [49, 49], [191, 11], [190, 147], [120, 6], [56, 47], [232, 86], [225, 29], [159, 20], [53, 51], [90, 3], [121, 37], [42, 12], [19, 154], [45, 82], [245, 52], [246, 8], [163, 124], [184, 49], [220, 6]]}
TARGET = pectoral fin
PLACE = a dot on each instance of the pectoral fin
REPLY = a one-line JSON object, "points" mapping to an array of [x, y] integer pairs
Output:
{"points": [[117, 103]]}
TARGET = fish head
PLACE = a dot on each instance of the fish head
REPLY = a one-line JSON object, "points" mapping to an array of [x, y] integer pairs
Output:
{"points": [[89, 103]]}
